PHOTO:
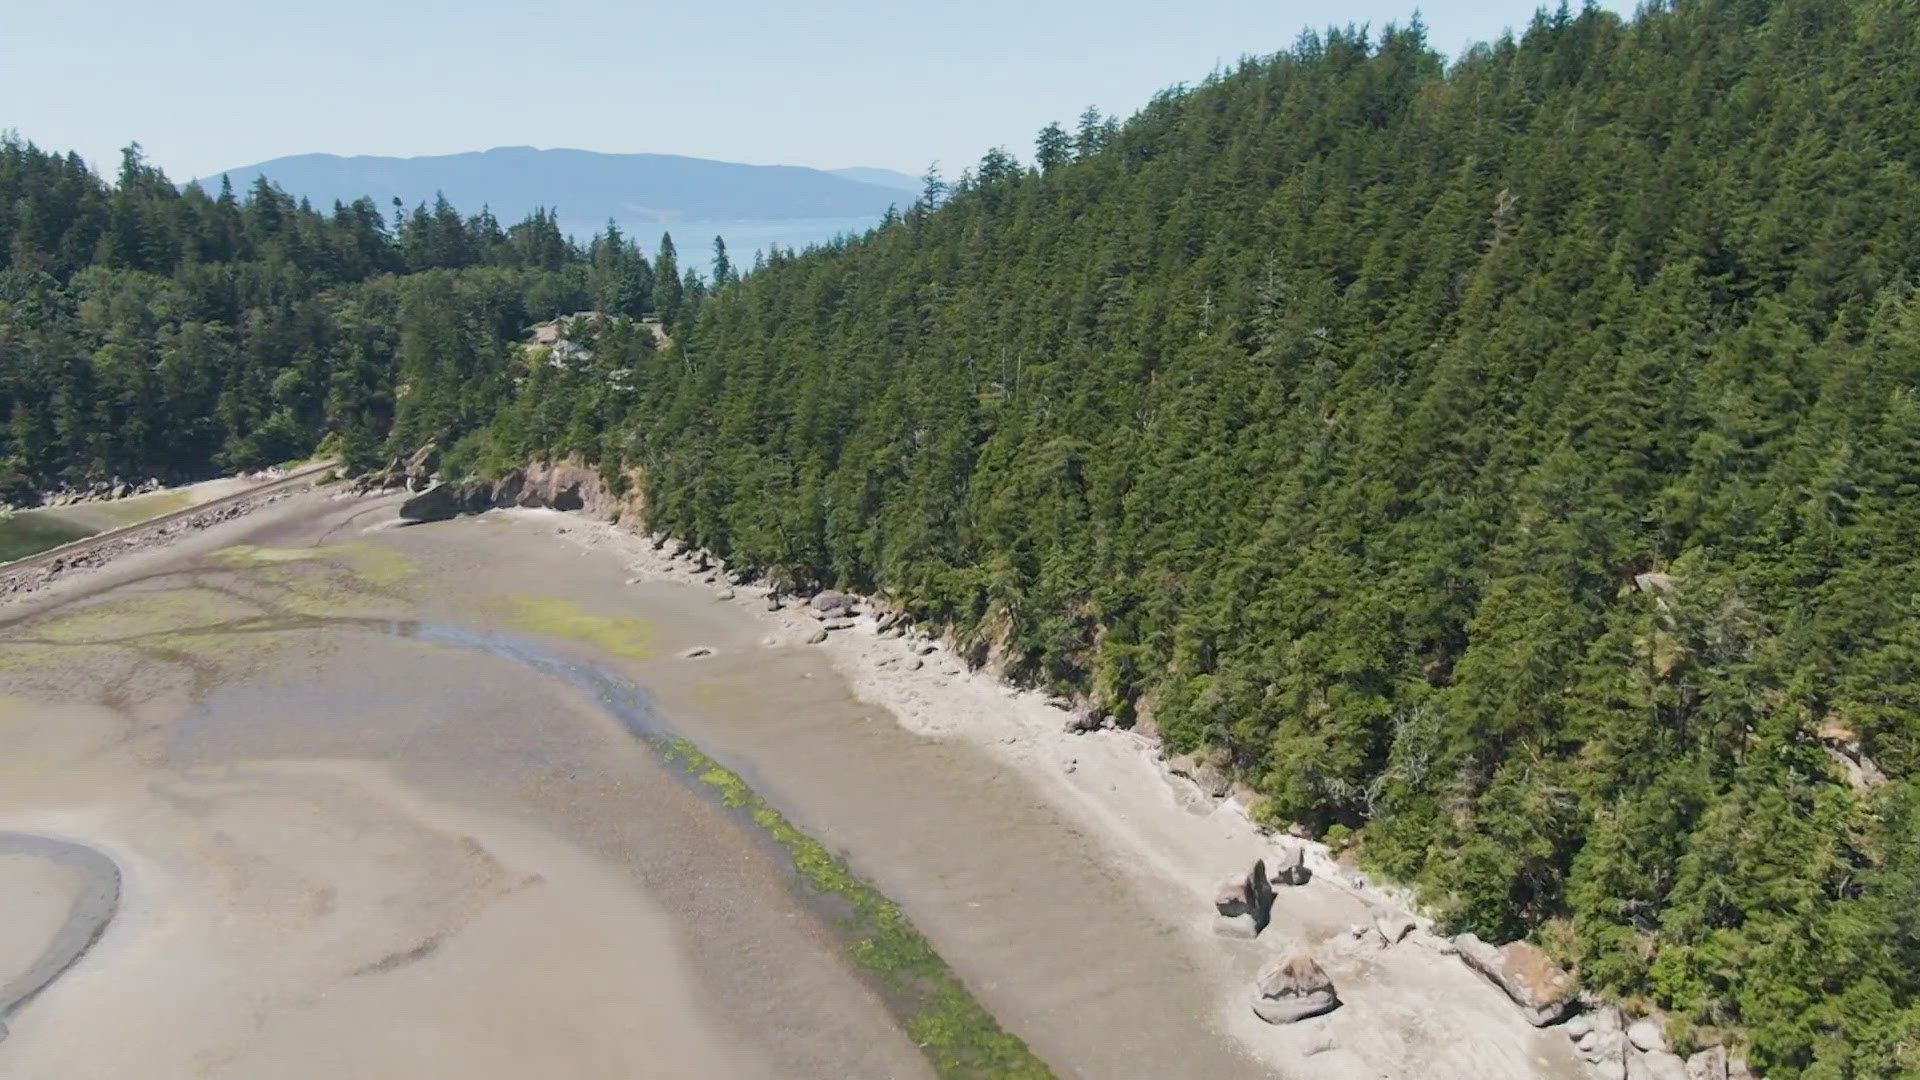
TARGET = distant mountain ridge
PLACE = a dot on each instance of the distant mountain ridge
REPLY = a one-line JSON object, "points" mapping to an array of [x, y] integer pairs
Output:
{"points": [[889, 178], [585, 187]]}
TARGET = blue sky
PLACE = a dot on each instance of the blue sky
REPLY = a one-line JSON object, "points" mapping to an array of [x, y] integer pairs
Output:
{"points": [[218, 84]]}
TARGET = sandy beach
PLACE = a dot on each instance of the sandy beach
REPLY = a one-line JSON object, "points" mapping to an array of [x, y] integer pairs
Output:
{"points": [[355, 844]]}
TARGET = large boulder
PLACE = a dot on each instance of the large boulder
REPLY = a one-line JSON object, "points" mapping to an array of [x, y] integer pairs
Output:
{"points": [[1243, 904], [437, 503], [1543, 989], [1655, 1065], [1647, 1034], [1289, 866], [1293, 988], [1083, 719], [449, 499], [1392, 925], [833, 603]]}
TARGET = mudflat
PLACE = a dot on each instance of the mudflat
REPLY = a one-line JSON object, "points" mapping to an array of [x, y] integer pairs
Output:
{"points": [[349, 850]]}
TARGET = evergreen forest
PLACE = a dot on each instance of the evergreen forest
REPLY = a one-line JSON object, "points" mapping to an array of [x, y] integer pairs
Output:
{"points": [[1507, 466]]}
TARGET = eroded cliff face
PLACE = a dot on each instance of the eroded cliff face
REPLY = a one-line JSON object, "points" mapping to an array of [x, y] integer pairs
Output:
{"points": [[560, 485]]}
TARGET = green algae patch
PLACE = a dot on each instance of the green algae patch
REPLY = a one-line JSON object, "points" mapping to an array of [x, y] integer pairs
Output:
{"points": [[205, 629], [371, 563], [957, 1034], [352, 580], [553, 617], [250, 554], [375, 564], [145, 618]]}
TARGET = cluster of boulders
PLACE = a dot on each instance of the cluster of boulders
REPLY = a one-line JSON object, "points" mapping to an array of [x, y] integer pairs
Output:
{"points": [[415, 472], [95, 491], [39, 575], [1243, 904], [1616, 1048], [834, 611], [1292, 986], [1619, 1049]]}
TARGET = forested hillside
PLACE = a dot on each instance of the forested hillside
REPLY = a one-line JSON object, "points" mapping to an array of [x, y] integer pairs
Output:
{"points": [[1330, 412], [1510, 466], [146, 331]]}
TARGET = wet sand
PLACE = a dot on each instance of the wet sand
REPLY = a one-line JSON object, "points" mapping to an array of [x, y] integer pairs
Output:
{"points": [[61, 896], [40, 893], [352, 853]]}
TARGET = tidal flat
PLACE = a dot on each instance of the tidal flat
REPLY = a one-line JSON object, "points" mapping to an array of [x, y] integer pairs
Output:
{"points": [[356, 842], [469, 798]]}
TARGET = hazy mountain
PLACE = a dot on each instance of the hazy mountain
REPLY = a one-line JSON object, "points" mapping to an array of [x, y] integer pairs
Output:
{"points": [[588, 188], [889, 178]]}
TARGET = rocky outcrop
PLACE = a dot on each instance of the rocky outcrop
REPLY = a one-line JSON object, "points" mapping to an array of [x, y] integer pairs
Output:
{"points": [[1653, 581], [1542, 988], [1708, 1064], [1842, 744], [414, 472], [555, 487], [1293, 988], [1084, 718], [1205, 772]]}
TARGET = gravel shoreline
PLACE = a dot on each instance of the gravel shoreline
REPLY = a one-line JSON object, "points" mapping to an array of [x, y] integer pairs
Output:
{"points": [[92, 556]]}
